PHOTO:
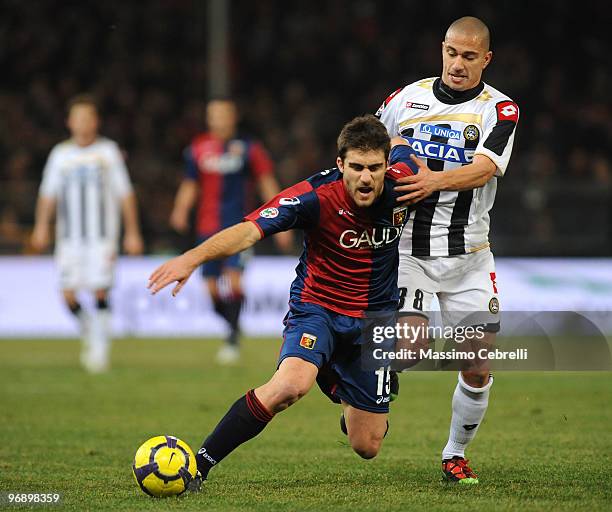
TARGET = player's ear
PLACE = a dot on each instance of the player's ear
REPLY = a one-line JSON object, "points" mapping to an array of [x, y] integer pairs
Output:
{"points": [[340, 164], [487, 58]]}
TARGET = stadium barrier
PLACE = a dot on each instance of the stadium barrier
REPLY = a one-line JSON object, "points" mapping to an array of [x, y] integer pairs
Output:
{"points": [[31, 306]]}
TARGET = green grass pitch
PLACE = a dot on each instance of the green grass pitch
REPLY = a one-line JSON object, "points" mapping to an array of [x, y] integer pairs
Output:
{"points": [[545, 443]]}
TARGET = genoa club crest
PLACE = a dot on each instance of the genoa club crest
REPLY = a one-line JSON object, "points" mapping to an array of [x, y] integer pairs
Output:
{"points": [[308, 341], [399, 215]]}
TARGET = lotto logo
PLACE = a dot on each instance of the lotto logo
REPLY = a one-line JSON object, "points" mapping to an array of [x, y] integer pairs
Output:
{"points": [[418, 106], [507, 111]]}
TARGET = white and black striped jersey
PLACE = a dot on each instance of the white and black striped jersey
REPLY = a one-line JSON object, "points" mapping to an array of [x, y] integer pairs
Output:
{"points": [[447, 131], [88, 183]]}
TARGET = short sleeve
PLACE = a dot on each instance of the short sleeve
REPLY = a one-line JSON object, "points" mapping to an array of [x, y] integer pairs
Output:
{"points": [[400, 158], [191, 166], [387, 113], [296, 207], [498, 137], [52, 175], [260, 162], [120, 178]]}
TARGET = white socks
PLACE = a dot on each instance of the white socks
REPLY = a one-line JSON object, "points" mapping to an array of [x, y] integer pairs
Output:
{"points": [[469, 407], [95, 330]]}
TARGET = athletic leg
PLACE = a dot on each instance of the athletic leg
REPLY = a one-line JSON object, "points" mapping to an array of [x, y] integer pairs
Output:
{"points": [[365, 430], [223, 281], [99, 333], [73, 304], [470, 291], [230, 297], [250, 414]]}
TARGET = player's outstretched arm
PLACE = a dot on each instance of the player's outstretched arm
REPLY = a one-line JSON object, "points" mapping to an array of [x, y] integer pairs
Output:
{"points": [[225, 243], [426, 181]]}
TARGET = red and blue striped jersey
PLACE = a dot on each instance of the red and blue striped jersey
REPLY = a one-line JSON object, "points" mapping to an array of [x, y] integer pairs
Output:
{"points": [[350, 257], [224, 170]]}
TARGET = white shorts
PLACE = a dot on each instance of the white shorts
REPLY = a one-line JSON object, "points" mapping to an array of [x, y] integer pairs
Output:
{"points": [[465, 286], [86, 267]]}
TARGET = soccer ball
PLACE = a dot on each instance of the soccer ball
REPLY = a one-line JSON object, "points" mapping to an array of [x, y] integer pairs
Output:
{"points": [[163, 466]]}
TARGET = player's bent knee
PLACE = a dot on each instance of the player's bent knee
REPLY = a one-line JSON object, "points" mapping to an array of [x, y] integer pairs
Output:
{"points": [[292, 381], [476, 379], [291, 392], [367, 448], [279, 394], [366, 444]]}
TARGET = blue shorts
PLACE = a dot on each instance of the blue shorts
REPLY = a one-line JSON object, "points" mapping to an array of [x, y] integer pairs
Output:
{"points": [[334, 343], [215, 268]]}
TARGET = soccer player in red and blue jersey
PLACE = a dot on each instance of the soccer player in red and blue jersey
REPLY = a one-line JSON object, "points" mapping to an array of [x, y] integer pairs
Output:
{"points": [[220, 168], [348, 269]]}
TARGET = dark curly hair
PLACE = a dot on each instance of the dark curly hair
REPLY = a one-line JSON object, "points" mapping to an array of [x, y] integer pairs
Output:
{"points": [[364, 133]]}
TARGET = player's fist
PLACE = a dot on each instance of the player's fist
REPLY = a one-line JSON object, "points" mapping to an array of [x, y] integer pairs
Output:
{"points": [[284, 241], [40, 238], [132, 244], [179, 220]]}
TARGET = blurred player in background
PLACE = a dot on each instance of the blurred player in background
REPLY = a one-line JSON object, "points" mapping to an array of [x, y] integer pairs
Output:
{"points": [[220, 166], [465, 128], [86, 183], [352, 226]]}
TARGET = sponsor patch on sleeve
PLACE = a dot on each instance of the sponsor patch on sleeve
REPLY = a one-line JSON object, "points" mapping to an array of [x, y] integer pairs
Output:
{"points": [[507, 111]]}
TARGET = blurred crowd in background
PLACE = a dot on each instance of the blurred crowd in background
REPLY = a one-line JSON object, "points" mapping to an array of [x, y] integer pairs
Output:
{"points": [[299, 71]]}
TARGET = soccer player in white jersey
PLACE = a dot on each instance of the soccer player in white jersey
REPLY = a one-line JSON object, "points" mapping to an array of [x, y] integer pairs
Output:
{"points": [[463, 131], [85, 182]]}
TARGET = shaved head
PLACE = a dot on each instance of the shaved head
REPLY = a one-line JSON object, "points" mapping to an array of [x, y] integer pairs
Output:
{"points": [[470, 27], [465, 53]]}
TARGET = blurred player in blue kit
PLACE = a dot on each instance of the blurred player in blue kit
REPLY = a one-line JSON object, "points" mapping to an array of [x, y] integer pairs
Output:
{"points": [[221, 165], [352, 225], [463, 129]]}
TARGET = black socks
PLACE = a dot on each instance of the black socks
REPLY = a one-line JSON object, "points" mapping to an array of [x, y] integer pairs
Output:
{"points": [[244, 420]]}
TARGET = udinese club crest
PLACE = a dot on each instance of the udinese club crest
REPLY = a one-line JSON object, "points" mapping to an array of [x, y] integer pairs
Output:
{"points": [[471, 132]]}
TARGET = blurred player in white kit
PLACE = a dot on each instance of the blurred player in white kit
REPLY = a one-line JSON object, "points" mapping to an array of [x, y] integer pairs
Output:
{"points": [[86, 183]]}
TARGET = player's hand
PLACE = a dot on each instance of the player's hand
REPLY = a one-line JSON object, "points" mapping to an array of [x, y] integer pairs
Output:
{"points": [[132, 244], [40, 238], [176, 270], [421, 185], [179, 221]]}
